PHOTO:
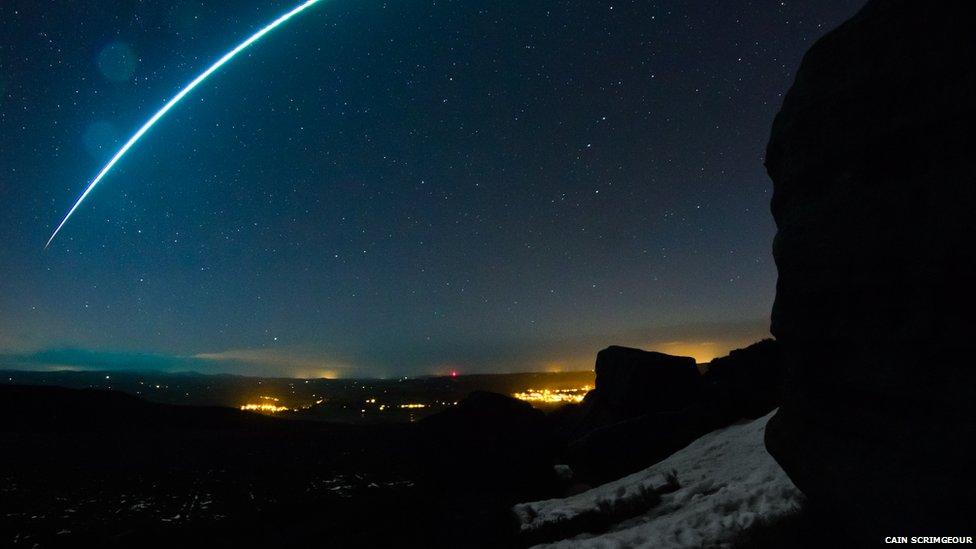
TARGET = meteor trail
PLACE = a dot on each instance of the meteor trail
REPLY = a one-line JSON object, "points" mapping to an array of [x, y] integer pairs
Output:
{"points": [[172, 102]]}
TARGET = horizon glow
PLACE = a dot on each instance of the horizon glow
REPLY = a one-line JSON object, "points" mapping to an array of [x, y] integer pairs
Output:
{"points": [[173, 101]]}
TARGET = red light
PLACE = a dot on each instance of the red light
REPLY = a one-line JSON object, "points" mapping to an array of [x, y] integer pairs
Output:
{"points": [[453, 373]]}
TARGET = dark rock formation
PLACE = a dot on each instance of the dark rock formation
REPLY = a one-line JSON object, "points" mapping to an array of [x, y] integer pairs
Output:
{"points": [[871, 158], [632, 382], [631, 419], [744, 384], [647, 405]]}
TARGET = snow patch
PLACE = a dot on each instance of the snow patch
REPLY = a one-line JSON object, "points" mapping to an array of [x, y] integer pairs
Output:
{"points": [[727, 481]]}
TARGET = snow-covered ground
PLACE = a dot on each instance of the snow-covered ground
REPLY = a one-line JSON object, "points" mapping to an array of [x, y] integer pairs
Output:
{"points": [[727, 481]]}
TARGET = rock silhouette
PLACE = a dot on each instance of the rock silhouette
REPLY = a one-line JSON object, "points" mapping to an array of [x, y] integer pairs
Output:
{"points": [[744, 384], [646, 405], [632, 382], [871, 158]]}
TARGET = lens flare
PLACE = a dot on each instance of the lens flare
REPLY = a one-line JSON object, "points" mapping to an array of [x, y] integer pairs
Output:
{"points": [[172, 102]]}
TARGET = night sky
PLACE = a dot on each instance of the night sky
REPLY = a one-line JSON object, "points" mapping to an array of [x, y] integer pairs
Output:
{"points": [[390, 188]]}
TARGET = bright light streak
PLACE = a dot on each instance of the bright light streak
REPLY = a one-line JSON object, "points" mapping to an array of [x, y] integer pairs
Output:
{"points": [[172, 102]]}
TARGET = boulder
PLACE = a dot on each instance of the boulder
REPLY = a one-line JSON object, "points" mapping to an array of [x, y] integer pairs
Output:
{"points": [[635, 416], [871, 157], [746, 384], [647, 405], [633, 382]]}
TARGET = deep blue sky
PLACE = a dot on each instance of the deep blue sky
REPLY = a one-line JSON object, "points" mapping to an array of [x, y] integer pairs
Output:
{"points": [[390, 188]]}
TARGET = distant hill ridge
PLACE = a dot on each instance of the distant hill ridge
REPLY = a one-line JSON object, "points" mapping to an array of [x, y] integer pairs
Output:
{"points": [[29, 408]]}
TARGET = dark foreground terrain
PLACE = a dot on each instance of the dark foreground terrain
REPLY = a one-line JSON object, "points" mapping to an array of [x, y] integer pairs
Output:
{"points": [[93, 466], [107, 469]]}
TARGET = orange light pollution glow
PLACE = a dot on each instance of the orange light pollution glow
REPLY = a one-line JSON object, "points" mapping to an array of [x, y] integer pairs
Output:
{"points": [[553, 396], [268, 405], [264, 408], [702, 352]]}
